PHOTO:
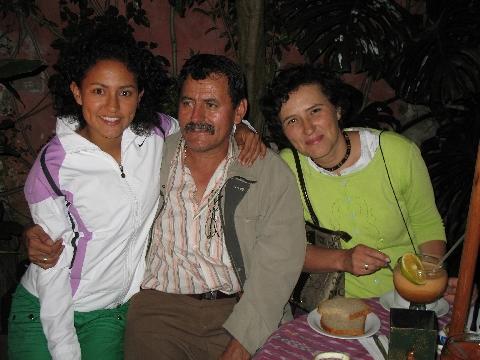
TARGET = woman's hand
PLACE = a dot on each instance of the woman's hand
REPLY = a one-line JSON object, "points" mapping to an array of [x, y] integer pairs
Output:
{"points": [[250, 145], [42, 250], [451, 289], [363, 260]]}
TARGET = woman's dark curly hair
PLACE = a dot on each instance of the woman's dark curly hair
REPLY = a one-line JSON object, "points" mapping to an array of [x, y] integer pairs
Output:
{"points": [[290, 79], [108, 37]]}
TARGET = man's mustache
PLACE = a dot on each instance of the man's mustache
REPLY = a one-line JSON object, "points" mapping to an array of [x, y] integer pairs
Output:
{"points": [[199, 126]]}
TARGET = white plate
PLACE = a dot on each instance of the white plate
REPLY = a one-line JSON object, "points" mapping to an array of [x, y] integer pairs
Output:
{"points": [[441, 307], [372, 325]]}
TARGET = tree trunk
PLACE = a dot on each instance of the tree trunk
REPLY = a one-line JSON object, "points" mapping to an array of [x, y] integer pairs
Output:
{"points": [[251, 49]]}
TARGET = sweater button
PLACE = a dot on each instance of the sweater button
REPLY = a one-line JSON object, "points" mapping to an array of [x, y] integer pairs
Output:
{"points": [[31, 317]]}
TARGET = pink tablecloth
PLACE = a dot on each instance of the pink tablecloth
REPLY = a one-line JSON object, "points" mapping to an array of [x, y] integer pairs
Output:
{"points": [[296, 340]]}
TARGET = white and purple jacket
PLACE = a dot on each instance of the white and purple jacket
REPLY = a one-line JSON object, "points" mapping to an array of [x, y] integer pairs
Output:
{"points": [[103, 212]]}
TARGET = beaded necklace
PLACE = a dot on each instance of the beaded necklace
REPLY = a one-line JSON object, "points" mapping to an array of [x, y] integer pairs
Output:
{"points": [[345, 158]]}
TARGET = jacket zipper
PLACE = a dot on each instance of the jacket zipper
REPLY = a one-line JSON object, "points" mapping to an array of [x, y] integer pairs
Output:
{"points": [[128, 275], [126, 285]]}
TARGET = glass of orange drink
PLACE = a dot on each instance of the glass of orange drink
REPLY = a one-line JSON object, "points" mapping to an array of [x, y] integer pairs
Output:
{"points": [[420, 279]]}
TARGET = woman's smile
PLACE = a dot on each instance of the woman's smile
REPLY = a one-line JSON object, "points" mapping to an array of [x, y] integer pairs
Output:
{"points": [[111, 120], [314, 140]]}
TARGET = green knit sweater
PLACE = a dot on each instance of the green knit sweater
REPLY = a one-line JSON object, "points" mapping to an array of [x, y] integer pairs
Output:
{"points": [[363, 204]]}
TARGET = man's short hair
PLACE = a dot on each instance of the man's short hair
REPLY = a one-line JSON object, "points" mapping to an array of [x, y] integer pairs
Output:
{"points": [[201, 66]]}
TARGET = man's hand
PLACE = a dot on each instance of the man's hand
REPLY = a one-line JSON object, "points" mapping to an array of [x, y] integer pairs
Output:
{"points": [[42, 250], [235, 351], [250, 145]]}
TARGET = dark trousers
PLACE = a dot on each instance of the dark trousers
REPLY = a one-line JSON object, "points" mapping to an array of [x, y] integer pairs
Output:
{"points": [[177, 327]]}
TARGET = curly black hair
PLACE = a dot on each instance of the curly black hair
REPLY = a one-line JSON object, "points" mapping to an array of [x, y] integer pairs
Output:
{"points": [[108, 37], [200, 66], [290, 79]]}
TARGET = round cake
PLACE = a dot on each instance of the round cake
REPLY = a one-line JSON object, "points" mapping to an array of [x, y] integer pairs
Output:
{"points": [[343, 316]]}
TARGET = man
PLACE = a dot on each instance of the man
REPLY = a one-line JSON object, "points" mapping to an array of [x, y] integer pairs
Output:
{"points": [[229, 242]]}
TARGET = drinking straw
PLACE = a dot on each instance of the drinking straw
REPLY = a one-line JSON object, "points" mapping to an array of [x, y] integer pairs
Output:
{"points": [[469, 257], [444, 257]]}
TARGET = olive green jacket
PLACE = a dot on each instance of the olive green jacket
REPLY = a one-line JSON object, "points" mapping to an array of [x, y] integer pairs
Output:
{"points": [[264, 231]]}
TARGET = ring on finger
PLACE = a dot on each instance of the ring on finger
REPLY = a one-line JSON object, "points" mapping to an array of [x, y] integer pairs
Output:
{"points": [[45, 259], [365, 266]]}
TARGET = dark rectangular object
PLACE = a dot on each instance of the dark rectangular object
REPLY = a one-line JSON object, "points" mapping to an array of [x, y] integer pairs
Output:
{"points": [[412, 330]]}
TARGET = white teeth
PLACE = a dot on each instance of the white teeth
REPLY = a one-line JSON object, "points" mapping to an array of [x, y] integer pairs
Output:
{"points": [[110, 119]]}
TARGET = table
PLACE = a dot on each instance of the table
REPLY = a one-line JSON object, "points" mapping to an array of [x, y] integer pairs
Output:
{"points": [[296, 340]]}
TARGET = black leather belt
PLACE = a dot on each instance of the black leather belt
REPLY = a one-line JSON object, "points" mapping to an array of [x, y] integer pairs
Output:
{"points": [[212, 295]]}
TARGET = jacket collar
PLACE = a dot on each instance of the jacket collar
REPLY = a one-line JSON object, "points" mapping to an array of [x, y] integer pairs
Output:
{"points": [[72, 142]]}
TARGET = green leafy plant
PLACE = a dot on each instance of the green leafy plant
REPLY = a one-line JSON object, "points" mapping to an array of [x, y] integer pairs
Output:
{"points": [[10, 228], [440, 63], [450, 156], [348, 35], [14, 69]]}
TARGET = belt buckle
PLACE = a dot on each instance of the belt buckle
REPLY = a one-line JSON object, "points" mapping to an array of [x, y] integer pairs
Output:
{"points": [[211, 295]]}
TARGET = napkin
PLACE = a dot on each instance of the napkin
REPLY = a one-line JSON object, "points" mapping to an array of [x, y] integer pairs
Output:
{"points": [[372, 348]]}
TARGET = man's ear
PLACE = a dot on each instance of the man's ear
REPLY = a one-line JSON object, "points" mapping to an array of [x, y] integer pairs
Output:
{"points": [[241, 110], [76, 92]]}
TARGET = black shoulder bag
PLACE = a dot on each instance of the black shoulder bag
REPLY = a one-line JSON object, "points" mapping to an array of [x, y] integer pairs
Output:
{"points": [[312, 288]]}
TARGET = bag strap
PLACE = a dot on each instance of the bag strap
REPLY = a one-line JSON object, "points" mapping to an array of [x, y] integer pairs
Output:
{"points": [[393, 190], [341, 234], [304, 188]]}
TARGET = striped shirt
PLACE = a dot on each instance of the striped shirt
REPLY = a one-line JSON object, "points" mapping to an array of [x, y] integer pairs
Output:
{"points": [[188, 253]]}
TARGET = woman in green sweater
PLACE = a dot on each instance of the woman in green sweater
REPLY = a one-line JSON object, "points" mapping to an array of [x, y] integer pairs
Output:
{"points": [[348, 184]]}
